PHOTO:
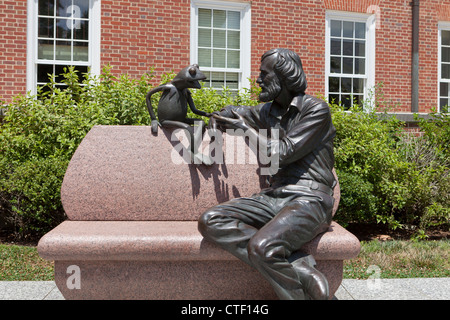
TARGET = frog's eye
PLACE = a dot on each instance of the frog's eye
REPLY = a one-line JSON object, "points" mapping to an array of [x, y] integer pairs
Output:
{"points": [[192, 71]]}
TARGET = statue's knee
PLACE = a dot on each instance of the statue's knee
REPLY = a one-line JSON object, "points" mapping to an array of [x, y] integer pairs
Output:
{"points": [[258, 249], [207, 221]]}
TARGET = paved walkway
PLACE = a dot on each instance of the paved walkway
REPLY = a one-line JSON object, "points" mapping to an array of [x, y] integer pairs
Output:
{"points": [[375, 289]]}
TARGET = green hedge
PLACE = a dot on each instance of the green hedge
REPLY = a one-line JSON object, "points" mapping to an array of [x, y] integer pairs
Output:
{"points": [[385, 176], [390, 176]]}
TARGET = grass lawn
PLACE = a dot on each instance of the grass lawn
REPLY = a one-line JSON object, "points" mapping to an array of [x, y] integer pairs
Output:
{"points": [[400, 259], [393, 259], [22, 263]]}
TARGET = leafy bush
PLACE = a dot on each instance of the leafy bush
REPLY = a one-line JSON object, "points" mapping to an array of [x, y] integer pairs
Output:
{"points": [[385, 175], [389, 176], [39, 136]]}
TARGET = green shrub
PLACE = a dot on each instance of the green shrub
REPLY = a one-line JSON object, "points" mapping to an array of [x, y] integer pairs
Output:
{"points": [[385, 176], [358, 201], [39, 136], [389, 176]]}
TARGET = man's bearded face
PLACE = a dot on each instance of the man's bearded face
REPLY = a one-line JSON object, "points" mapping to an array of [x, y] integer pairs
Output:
{"points": [[270, 90], [268, 81]]}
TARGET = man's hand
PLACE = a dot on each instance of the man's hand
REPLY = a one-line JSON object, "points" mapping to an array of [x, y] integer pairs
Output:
{"points": [[231, 123]]}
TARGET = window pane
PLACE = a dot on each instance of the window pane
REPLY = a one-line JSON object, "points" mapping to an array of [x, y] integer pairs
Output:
{"points": [[445, 56], [443, 103], [333, 98], [443, 89], [80, 51], [207, 81], [219, 19], [333, 84], [64, 28], [335, 46], [81, 70], [204, 38], [234, 40], [360, 30], [346, 85], [81, 31], [347, 29], [358, 99], [43, 71], [219, 38], [204, 17], [445, 35], [346, 101], [46, 8], [234, 20], [217, 79], [360, 48], [62, 8], [336, 27], [335, 64], [219, 58], [59, 70], [358, 85], [232, 80], [445, 71], [204, 57], [347, 65], [46, 27], [347, 47], [45, 49], [233, 59], [360, 66], [83, 6], [63, 50]]}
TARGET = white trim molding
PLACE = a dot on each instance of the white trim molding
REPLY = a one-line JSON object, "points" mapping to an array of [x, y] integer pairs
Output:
{"points": [[94, 39], [245, 36], [369, 75]]}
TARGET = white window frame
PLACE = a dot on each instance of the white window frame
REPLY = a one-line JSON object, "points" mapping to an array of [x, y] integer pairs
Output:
{"points": [[446, 27], [245, 41], [32, 43], [370, 20]]}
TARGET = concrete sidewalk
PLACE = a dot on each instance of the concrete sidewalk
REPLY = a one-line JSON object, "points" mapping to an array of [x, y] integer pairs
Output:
{"points": [[374, 289]]}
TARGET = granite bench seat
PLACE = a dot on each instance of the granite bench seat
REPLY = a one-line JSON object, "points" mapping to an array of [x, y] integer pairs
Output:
{"points": [[161, 251], [132, 224], [164, 241]]}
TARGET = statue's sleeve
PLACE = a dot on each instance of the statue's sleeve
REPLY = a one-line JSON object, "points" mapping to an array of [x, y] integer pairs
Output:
{"points": [[312, 130], [255, 116]]}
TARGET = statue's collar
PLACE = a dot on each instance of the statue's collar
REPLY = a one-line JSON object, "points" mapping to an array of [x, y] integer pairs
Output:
{"points": [[278, 112], [298, 101]]}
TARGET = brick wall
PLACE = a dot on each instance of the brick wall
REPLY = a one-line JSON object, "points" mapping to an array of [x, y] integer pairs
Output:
{"points": [[140, 34], [428, 54], [393, 53], [300, 29], [13, 49]]}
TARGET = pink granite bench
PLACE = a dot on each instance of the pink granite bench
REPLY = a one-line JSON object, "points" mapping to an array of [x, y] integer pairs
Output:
{"points": [[132, 232]]}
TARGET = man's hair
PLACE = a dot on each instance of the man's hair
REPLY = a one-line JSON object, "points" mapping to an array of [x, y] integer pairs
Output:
{"points": [[288, 67]]}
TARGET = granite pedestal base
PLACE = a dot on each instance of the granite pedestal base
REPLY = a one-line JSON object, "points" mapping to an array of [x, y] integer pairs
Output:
{"points": [[132, 215], [168, 260]]}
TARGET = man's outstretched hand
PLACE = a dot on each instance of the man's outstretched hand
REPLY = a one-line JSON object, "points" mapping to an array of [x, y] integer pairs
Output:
{"points": [[237, 122]]}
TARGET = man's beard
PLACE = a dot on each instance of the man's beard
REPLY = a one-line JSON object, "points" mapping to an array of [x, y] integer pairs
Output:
{"points": [[271, 91]]}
